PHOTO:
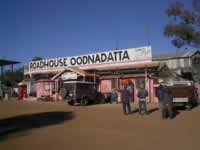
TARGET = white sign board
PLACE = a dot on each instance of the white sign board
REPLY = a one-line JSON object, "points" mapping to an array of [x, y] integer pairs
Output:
{"points": [[110, 58], [69, 75]]}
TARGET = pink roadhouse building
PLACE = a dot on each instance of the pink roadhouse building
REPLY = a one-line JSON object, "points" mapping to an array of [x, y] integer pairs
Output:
{"points": [[109, 69]]}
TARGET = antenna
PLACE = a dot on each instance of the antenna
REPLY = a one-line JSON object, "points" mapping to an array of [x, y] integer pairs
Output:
{"points": [[117, 44]]}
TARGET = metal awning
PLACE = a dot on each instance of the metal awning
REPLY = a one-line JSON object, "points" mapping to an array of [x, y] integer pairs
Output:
{"points": [[4, 62], [121, 76], [159, 65], [80, 71]]}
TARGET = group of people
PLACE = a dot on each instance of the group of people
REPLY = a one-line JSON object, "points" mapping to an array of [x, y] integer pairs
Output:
{"points": [[164, 96]]}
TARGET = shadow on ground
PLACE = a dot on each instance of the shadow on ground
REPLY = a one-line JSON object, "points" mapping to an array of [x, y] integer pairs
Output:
{"points": [[22, 123], [149, 111], [153, 110]]}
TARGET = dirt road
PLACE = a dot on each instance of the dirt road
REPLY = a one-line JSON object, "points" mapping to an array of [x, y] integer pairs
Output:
{"points": [[46, 125]]}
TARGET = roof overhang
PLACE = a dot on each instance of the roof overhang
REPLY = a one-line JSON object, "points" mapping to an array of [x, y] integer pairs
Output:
{"points": [[75, 70], [4, 62], [150, 65]]}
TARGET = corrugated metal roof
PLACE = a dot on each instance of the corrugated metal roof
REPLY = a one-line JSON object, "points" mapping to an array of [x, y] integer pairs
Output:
{"points": [[173, 55]]}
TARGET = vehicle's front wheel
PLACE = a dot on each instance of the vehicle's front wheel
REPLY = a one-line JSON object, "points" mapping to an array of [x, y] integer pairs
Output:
{"points": [[188, 107], [71, 103], [102, 99], [84, 101]]}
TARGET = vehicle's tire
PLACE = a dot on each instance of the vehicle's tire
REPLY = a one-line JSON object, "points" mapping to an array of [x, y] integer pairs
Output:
{"points": [[63, 93], [102, 99], [71, 103], [188, 107], [84, 101]]}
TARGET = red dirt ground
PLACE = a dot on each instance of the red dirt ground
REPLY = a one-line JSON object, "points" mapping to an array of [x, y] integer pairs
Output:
{"points": [[26, 125]]}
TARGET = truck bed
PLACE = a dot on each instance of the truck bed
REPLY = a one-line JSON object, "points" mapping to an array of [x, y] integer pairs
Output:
{"points": [[182, 91]]}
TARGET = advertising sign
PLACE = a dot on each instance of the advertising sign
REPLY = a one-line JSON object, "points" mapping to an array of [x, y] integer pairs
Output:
{"points": [[69, 75], [115, 57]]}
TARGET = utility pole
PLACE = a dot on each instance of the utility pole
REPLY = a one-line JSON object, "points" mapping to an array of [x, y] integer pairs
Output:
{"points": [[148, 34], [116, 42]]}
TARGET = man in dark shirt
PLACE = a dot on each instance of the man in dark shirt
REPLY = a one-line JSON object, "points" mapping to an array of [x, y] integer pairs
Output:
{"points": [[167, 101], [160, 94], [125, 96], [142, 94]]}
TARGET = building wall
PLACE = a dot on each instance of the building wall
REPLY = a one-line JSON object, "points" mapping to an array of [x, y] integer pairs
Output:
{"points": [[106, 87], [177, 63], [196, 67], [43, 89], [31, 89]]}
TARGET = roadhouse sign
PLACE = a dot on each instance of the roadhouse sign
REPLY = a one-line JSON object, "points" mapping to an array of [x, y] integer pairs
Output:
{"points": [[125, 55]]}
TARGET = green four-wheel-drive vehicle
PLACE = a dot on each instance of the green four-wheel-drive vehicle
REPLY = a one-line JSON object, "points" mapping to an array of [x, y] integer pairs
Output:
{"points": [[81, 92]]}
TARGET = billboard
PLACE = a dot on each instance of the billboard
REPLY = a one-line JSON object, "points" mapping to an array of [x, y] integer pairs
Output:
{"points": [[102, 59]]}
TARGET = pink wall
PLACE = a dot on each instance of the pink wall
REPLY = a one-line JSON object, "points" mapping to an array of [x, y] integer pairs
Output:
{"points": [[155, 99], [105, 86], [149, 87], [43, 89]]}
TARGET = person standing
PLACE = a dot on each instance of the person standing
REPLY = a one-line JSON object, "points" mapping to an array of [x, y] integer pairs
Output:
{"points": [[130, 89], [161, 100], [142, 94], [167, 101], [125, 96], [114, 96]]}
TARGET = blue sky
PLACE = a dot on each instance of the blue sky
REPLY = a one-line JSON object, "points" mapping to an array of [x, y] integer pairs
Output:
{"points": [[59, 28]]}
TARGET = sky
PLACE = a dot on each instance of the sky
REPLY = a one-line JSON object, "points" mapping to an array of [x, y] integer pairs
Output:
{"points": [[62, 28]]}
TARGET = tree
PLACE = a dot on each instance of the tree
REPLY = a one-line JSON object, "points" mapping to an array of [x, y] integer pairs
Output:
{"points": [[36, 58], [11, 79], [184, 26]]}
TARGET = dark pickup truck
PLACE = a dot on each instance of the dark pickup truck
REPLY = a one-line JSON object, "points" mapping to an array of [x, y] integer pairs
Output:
{"points": [[184, 93]]}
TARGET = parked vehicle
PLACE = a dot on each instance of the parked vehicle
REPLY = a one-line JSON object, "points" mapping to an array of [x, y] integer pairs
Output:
{"points": [[184, 93], [81, 92]]}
